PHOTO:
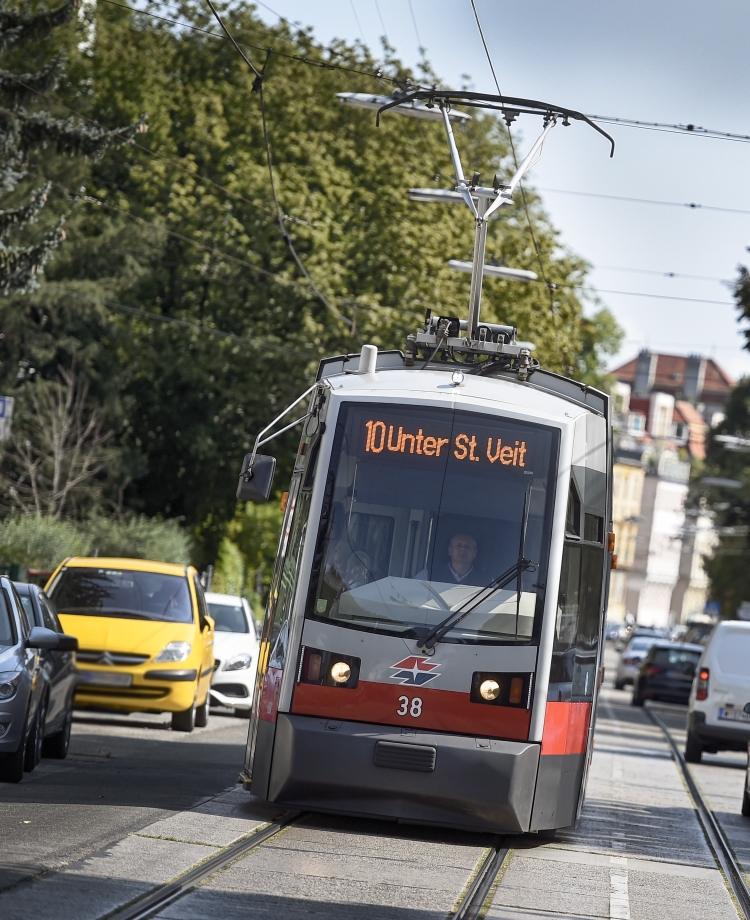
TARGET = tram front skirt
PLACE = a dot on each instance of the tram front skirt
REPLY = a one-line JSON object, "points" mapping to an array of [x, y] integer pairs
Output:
{"points": [[422, 778]]}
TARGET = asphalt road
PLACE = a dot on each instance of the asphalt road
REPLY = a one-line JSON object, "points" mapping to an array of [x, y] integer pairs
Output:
{"points": [[122, 773], [137, 805]]}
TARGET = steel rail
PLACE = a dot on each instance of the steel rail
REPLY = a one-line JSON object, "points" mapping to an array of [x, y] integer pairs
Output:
{"points": [[716, 837], [164, 895], [475, 897]]}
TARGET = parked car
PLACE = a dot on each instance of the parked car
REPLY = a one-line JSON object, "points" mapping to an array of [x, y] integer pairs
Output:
{"points": [[23, 689], [59, 672], [147, 640], [235, 650], [746, 790], [666, 673], [631, 657], [719, 708]]}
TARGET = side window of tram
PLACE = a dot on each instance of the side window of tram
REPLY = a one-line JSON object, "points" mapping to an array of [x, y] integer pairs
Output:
{"points": [[574, 652], [284, 586]]}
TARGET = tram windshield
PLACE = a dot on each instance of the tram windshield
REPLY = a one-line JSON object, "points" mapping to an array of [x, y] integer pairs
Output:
{"points": [[423, 508]]}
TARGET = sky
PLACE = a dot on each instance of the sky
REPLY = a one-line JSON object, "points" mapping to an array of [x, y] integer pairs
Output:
{"points": [[676, 62]]}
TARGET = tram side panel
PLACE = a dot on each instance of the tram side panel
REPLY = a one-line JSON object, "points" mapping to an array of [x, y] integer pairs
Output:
{"points": [[576, 650]]}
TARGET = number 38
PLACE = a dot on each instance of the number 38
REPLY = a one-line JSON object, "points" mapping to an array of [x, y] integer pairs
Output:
{"points": [[409, 707]]}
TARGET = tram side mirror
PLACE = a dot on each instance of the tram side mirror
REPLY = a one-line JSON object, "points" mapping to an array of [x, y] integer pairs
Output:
{"points": [[256, 482]]}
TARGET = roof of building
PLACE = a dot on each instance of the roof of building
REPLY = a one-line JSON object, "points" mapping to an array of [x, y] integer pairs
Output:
{"points": [[670, 376]]}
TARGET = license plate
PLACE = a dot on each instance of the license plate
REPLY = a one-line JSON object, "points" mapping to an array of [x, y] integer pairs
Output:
{"points": [[105, 679], [734, 715]]}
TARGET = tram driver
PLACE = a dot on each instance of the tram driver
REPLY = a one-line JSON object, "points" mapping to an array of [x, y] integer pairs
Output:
{"points": [[458, 568]]}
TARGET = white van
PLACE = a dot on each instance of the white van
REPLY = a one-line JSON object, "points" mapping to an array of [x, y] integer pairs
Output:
{"points": [[719, 708]]}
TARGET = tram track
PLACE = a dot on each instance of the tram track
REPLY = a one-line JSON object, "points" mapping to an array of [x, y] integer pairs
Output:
{"points": [[473, 901], [152, 903], [717, 839]]}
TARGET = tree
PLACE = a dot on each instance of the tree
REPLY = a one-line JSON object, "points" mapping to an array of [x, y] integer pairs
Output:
{"points": [[59, 450], [189, 232], [26, 128], [729, 567]]}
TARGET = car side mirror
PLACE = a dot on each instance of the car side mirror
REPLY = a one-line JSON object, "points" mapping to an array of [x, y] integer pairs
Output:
{"points": [[256, 481], [41, 637]]}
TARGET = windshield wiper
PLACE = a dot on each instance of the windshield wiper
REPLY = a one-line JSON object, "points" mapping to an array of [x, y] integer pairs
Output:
{"points": [[469, 606]]}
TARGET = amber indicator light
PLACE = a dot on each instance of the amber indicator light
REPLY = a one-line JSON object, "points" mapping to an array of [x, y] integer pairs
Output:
{"points": [[611, 542], [516, 691], [313, 666]]}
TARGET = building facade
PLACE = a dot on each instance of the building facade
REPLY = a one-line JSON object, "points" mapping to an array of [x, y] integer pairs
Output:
{"points": [[664, 406]]}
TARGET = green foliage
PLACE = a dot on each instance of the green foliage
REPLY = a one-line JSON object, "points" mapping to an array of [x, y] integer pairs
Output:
{"points": [[27, 128], [601, 336], [138, 537], [229, 573], [43, 542], [189, 233], [40, 542], [729, 567]]}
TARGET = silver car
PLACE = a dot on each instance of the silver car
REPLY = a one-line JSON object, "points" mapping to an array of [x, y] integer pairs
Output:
{"points": [[630, 659], [23, 689]]}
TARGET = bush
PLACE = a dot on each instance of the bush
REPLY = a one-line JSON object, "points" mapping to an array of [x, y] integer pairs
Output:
{"points": [[43, 542], [229, 574], [40, 542], [138, 538]]}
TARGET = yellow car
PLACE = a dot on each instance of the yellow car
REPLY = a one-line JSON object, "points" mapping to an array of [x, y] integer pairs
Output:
{"points": [[146, 641]]}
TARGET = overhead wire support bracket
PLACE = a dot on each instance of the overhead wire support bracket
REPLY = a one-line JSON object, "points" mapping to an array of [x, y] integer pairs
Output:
{"points": [[510, 106], [483, 202]]}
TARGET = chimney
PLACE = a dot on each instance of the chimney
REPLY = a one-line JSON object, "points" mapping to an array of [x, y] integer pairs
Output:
{"points": [[695, 372], [645, 372]]}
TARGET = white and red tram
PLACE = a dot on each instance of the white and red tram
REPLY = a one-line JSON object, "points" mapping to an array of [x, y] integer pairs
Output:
{"points": [[432, 644]]}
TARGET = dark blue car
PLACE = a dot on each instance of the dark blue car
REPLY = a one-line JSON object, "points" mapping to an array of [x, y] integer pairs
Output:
{"points": [[666, 673]]}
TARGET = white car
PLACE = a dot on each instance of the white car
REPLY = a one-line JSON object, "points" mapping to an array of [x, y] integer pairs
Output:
{"points": [[719, 707], [235, 650]]}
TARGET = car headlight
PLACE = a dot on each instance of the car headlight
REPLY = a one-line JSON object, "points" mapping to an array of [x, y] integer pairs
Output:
{"points": [[174, 651], [9, 681], [239, 662]]}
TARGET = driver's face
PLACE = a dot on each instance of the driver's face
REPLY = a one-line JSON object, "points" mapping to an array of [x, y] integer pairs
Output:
{"points": [[462, 552]]}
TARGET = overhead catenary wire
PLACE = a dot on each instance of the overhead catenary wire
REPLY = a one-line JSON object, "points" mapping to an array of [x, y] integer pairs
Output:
{"points": [[239, 196], [655, 201], [688, 129], [258, 87]]}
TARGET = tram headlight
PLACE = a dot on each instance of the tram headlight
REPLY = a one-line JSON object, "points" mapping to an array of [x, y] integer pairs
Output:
{"points": [[489, 689], [328, 669], [501, 689], [340, 672]]}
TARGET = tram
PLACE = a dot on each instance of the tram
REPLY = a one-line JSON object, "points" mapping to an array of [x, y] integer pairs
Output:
{"points": [[432, 644]]}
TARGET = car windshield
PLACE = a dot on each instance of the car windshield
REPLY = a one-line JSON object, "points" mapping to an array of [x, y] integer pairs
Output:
{"points": [[7, 630], [425, 506], [228, 617], [123, 593], [682, 660]]}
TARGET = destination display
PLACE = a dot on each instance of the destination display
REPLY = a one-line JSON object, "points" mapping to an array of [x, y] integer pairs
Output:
{"points": [[383, 437]]}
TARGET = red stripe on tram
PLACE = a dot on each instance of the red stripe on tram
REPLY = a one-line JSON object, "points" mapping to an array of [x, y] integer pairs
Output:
{"points": [[566, 728], [439, 710]]}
